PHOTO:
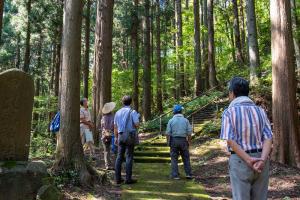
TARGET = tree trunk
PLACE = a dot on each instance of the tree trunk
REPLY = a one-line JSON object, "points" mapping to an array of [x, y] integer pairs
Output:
{"points": [[205, 44], [28, 34], [103, 60], [236, 27], [295, 25], [284, 108], [18, 54], [252, 42], [147, 65], [211, 45], [58, 60], [86, 68], [197, 50], [230, 36], [179, 45], [242, 17], [70, 153], [106, 51], [1, 16], [135, 46], [159, 98], [52, 69]]}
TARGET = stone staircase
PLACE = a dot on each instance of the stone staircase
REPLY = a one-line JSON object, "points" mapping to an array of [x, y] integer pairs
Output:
{"points": [[155, 150], [209, 112]]}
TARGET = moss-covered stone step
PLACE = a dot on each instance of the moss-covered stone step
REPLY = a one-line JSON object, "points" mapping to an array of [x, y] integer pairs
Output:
{"points": [[156, 144], [148, 159], [152, 148], [152, 153], [153, 159]]}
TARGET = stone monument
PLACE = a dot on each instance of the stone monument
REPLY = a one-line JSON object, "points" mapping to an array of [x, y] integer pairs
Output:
{"points": [[16, 103]]}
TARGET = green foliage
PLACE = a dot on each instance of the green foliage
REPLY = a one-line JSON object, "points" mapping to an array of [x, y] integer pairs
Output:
{"points": [[189, 107], [42, 141]]}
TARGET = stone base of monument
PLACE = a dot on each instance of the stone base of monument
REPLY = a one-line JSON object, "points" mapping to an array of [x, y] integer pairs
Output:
{"points": [[20, 180]]}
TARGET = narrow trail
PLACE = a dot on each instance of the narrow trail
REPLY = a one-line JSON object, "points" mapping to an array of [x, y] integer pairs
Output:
{"points": [[152, 170]]}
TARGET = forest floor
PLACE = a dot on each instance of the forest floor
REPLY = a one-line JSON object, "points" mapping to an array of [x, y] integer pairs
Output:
{"points": [[209, 162]]}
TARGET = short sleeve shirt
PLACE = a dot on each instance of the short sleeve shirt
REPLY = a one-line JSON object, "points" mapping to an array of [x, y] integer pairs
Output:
{"points": [[86, 115], [121, 116]]}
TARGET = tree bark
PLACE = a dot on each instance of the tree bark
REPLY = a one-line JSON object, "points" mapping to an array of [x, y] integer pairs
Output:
{"points": [[205, 44], [179, 45], [18, 53], [106, 51], [27, 42], [236, 27], [242, 17], [1, 16], [295, 25], [58, 60], [284, 108], [103, 60], [147, 65], [86, 68], [70, 154], [135, 46], [159, 98], [197, 50], [211, 45], [252, 42]]}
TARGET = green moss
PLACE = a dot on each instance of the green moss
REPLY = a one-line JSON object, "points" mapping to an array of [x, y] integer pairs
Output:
{"points": [[9, 164], [153, 177]]}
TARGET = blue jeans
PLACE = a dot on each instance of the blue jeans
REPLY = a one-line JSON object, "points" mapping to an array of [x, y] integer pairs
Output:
{"points": [[122, 149], [179, 146]]}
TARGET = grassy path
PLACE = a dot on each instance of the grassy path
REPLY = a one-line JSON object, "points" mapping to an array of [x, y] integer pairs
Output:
{"points": [[152, 169]]}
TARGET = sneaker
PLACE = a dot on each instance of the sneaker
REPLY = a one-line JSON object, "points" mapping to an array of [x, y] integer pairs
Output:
{"points": [[132, 181], [189, 177], [176, 178]]}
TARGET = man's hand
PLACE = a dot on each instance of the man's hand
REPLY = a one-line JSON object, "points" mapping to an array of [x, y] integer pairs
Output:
{"points": [[259, 166], [252, 162]]}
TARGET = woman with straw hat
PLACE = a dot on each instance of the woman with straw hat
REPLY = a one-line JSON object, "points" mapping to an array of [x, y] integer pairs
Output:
{"points": [[107, 126]]}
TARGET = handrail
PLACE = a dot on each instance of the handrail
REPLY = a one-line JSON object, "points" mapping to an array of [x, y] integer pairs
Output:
{"points": [[201, 95]]}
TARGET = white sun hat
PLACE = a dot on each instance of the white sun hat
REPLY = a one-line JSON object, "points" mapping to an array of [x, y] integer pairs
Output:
{"points": [[108, 107]]}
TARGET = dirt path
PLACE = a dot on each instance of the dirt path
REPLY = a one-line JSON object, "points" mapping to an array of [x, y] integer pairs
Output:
{"points": [[210, 161]]}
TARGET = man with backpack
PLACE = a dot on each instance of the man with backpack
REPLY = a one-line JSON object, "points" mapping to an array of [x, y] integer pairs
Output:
{"points": [[126, 122]]}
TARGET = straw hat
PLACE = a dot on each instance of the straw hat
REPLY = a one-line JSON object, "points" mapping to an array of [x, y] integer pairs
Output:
{"points": [[108, 107]]}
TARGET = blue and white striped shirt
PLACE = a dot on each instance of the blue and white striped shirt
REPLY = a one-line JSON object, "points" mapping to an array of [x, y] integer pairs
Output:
{"points": [[246, 124]]}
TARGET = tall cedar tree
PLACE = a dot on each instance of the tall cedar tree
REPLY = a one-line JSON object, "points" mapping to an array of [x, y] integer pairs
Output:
{"points": [[70, 152], [103, 60], [286, 123], [147, 65], [159, 98], [135, 47], [205, 44], [28, 35], [87, 50], [179, 45], [197, 49], [237, 35], [1, 16], [252, 42], [211, 44]]}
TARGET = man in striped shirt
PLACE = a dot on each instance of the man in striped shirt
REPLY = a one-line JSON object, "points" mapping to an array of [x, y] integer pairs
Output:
{"points": [[247, 130]]}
